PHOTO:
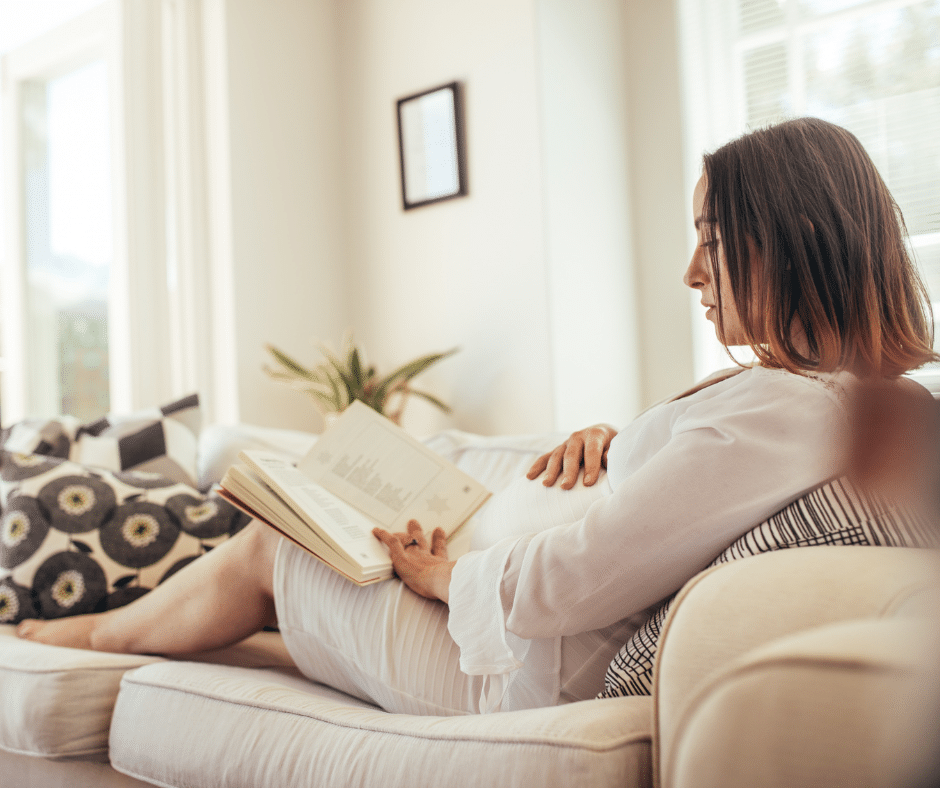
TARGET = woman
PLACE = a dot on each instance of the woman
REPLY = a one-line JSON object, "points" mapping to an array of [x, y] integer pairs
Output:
{"points": [[800, 256]]}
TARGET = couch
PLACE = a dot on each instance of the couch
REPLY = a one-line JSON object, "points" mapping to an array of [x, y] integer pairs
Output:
{"points": [[798, 667]]}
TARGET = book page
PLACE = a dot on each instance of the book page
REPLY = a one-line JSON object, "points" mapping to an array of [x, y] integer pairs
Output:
{"points": [[347, 529], [246, 491], [377, 474], [389, 476]]}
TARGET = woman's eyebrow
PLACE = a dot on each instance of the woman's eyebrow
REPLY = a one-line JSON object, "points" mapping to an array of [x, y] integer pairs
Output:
{"points": [[699, 221]]}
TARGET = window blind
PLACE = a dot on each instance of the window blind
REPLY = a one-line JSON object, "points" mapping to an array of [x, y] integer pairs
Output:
{"points": [[873, 67]]}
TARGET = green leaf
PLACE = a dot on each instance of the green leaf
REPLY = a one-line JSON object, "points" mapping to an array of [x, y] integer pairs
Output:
{"points": [[432, 399], [330, 356], [288, 363], [342, 378], [329, 401], [338, 370], [340, 396], [408, 371], [355, 366]]}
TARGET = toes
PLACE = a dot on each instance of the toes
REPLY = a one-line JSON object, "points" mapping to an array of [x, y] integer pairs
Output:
{"points": [[27, 629]]}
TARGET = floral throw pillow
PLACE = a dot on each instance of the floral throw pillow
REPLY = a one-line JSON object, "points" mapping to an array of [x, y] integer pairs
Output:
{"points": [[80, 539]]}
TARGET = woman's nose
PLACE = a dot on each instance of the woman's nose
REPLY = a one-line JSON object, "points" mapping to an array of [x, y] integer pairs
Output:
{"points": [[696, 275]]}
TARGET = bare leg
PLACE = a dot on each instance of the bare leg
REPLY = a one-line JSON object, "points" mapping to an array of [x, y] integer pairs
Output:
{"points": [[217, 600]]}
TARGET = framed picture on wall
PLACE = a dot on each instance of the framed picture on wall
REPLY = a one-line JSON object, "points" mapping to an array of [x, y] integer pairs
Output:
{"points": [[431, 146]]}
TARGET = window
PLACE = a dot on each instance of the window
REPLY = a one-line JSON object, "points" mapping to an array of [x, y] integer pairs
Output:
{"points": [[873, 67], [85, 299], [65, 182]]}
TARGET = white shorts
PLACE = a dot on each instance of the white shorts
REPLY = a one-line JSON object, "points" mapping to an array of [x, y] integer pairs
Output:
{"points": [[389, 646], [382, 643]]}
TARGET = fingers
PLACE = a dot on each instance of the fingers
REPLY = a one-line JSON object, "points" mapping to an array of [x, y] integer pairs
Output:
{"points": [[391, 541], [595, 453], [553, 466], [538, 466], [585, 449], [572, 459], [439, 543], [397, 543], [415, 533]]}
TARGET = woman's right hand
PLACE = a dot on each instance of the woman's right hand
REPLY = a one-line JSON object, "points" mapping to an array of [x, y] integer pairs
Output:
{"points": [[586, 449]]}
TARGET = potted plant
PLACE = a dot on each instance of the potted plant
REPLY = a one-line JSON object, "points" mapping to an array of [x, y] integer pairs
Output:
{"points": [[340, 378]]}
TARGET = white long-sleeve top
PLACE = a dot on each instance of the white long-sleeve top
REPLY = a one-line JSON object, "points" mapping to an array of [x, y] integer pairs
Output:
{"points": [[684, 481]]}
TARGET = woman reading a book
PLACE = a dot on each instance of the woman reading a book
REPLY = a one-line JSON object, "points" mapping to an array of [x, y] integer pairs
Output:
{"points": [[801, 257]]}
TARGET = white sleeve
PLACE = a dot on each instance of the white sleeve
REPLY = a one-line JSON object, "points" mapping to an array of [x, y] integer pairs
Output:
{"points": [[722, 471]]}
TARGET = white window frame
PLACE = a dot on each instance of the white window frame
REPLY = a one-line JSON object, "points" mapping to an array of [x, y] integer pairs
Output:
{"points": [[168, 295], [68, 47], [137, 301]]}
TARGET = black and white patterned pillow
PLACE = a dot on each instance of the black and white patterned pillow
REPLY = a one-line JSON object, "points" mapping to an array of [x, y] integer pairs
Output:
{"points": [[77, 539], [836, 513], [161, 440]]}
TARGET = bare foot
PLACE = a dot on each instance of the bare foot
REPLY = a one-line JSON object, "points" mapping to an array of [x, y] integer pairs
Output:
{"points": [[74, 632]]}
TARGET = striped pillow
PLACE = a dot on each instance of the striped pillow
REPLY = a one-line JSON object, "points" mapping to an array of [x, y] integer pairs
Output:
{"points": [[837, 513]]}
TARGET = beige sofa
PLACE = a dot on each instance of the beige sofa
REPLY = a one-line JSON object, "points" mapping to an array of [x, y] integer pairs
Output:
{"points": [[800, 667]]}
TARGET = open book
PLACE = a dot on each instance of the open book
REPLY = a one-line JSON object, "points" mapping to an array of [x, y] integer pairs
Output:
{"points": [[362, 472]]}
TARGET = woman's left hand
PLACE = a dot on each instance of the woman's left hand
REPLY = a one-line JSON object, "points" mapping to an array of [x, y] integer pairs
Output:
{"points": [[585, 449], [422, 567]]}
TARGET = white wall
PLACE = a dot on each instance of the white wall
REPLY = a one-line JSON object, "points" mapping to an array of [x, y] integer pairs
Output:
{"points": [[283, 219], [470, 271], [595, 333], [660, 197], [559, 276]]}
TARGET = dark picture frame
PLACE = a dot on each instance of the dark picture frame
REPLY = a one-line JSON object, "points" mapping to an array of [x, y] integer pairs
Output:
{"points": [[431, 147]]}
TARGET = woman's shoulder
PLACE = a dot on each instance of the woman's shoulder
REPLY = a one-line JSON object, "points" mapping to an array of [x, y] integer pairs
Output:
{"points": [[763, 390], [831, 385]]}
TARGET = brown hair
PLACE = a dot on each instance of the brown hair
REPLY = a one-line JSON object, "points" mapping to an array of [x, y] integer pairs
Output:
{"points": [[830, 250]]}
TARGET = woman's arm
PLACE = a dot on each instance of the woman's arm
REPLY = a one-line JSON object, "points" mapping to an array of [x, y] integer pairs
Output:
{"points": [[422, 567], [697, 476], [586, 448]]}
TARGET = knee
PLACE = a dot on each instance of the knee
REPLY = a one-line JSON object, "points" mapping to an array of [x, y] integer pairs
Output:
{"points": [[255, 550], [259, 540]]}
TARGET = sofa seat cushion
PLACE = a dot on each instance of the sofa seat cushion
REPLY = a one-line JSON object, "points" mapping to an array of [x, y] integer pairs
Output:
{"points": [[271, 729], [57, 702]]}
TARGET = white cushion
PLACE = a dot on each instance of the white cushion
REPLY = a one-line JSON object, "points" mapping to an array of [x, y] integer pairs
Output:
{"points": [[193, 725], [493, 461], [219, 445], [24, 771], [57, 702]]}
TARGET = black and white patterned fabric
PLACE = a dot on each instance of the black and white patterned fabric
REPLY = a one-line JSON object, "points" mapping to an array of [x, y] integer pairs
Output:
{"points": [[49, 437], [162, 441], [836, 513], [76, 539]]}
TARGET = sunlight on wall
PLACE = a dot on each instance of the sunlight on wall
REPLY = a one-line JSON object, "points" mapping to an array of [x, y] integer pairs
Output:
{"points": [[23, 20]]}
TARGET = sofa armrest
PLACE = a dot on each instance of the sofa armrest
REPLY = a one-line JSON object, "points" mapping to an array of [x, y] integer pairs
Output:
{"points": [[725, 612], [845, 704]]}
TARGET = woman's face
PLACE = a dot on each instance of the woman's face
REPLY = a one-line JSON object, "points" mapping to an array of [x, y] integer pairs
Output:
{"points": [[699, 277]]}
